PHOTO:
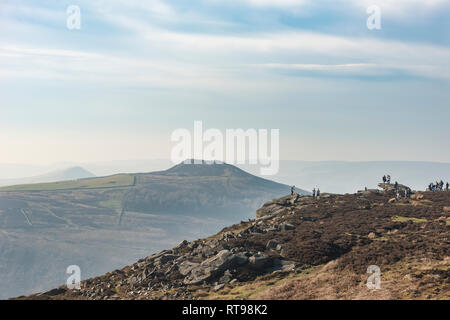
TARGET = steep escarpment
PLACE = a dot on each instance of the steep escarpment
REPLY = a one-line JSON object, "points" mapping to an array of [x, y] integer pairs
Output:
{"points": [[300, 247]]}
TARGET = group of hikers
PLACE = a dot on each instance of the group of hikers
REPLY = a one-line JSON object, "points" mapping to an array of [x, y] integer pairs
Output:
{"points": [[438, 186], [387, 180], [406, 191], [315, 193]]}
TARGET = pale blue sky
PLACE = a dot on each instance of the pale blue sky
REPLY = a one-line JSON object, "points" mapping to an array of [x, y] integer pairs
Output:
{"points": [[137, 70]]}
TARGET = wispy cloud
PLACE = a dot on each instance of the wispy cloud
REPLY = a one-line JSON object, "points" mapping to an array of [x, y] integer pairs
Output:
{"points": [[210, 60], [306, 59]]}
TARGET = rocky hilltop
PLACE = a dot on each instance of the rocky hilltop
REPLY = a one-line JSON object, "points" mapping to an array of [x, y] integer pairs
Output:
{"points": [[300, 247]]}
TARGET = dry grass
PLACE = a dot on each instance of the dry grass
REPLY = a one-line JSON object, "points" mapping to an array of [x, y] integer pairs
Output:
{"points": [[410, 278]]}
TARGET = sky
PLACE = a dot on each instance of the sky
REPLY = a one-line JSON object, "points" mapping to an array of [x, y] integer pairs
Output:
{"points": [[135, 71]]}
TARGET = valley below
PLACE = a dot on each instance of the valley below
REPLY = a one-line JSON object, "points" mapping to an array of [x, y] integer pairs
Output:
{"points": [[104, 223]]}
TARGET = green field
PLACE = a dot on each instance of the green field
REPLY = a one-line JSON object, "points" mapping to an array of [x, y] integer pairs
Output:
{"points": [[115, 181]]}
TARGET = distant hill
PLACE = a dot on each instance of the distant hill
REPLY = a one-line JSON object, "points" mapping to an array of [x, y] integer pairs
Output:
{"points": [[73, 173], [103, 223], [202, 189]]}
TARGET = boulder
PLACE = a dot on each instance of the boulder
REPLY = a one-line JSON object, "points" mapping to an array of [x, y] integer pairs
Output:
{"points": [[214, 266], [272, 244], [182, 244], [416, 196], [259, 261], [294, 198], [227, 276], [287, 226], [219, 287], [390, 187], [162, 260], [185, 267]]}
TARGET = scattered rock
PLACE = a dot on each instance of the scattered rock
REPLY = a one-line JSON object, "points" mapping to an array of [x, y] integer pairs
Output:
{"points": [[162, 260], [416, 196], [259, 261], [182, 244], [272, 244], [185, 267], [287, 227], [219, 287], [227, 276]]}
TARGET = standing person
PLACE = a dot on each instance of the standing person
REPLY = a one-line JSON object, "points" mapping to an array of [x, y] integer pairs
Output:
{"points": [[398, 196], [384, 179], [318, 192], [447, 186], [396, 186], [314, 193], [388, 178], [292, 190], [406, 193]]}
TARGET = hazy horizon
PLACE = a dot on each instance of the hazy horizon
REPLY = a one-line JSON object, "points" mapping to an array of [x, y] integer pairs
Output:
{"points": [[330, 176]]}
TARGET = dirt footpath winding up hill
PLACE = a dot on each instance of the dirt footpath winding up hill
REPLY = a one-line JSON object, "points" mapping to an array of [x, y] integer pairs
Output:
{"points": [[300, 248]]}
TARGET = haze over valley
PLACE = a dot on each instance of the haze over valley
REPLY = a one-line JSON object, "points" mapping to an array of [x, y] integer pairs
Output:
{"points": [[103, 223]]}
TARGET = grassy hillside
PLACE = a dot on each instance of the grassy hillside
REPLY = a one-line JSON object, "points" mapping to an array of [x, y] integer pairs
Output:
{"points": [[119, 180]]}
